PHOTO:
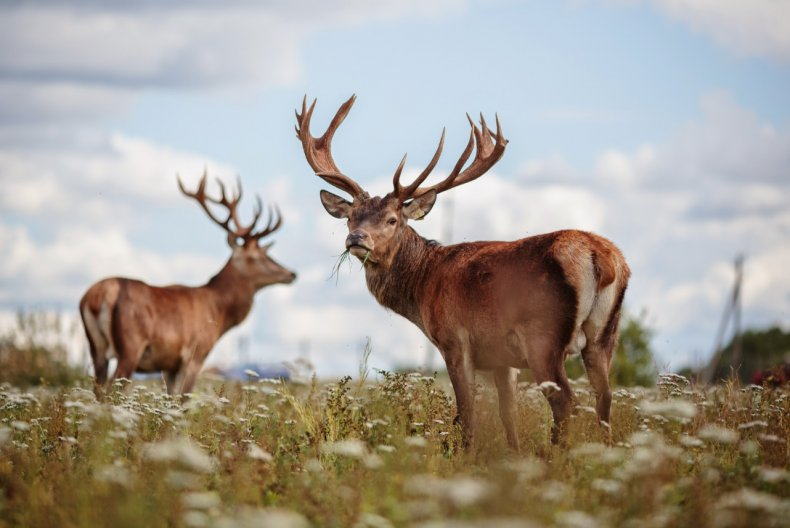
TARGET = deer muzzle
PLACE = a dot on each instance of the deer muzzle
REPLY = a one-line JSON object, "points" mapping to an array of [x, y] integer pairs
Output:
{"points": [[359, 243]]}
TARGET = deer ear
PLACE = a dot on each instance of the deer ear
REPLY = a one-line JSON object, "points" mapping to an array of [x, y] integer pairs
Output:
{"points": [[335, 205], [420, 206]]}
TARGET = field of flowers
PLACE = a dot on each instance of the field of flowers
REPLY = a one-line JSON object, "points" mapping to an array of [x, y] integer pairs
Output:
{"points": [[384, 452]]}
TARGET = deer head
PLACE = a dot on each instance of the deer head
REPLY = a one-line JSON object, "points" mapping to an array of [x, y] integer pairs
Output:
{"points": [[375, 224], [249, 259]]}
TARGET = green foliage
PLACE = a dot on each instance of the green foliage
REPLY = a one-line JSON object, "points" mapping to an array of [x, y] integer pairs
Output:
{"points": [[761, 349], [34, 352], [633, 363]]}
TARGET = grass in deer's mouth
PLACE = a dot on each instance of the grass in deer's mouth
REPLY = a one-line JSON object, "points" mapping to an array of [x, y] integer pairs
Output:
{"points": [[343, 257]]}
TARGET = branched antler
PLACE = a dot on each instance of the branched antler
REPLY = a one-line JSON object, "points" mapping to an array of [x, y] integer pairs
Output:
{"points": [[240, 231], [318, 151], [487, 154]]}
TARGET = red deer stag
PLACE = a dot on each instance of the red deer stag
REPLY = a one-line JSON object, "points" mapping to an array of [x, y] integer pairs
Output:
{"points": [[173, 328], [497, 306]]}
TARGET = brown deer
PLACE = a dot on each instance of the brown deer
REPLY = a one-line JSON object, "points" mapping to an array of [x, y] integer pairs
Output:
{"points": [[497, 306], [172, 329]]}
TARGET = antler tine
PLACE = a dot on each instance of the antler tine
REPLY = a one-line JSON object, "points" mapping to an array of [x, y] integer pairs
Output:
{"points": [[318, 151], [404, 193], [487, 154], [269, 227]]}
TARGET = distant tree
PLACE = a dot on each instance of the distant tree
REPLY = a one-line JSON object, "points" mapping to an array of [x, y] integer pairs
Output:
{"points": [[633, 362], [761, 349]]}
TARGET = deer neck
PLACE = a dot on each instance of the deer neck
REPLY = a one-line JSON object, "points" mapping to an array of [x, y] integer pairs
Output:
{"points": [[232, 294], [398, 285]]}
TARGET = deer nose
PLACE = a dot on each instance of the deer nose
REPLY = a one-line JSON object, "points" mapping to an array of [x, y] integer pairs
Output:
{"points": [[356, 238]]}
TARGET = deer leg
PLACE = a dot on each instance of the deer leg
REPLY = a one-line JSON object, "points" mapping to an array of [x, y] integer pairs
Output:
{"points": [[505, 379], [191, 372], [170, 377], [560, 401], [462, 376]]}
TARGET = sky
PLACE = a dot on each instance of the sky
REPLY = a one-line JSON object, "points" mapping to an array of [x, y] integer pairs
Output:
{"points": [[663, 125]]}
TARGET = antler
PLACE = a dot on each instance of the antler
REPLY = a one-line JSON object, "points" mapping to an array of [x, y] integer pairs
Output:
{"points": [[487, 154], [318, 151], [247, 232]]}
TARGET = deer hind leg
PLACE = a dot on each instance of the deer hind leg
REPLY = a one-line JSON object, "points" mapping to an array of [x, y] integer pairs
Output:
{"points": [[547, 365], [505, 379], [99, 344], [601, 330]]}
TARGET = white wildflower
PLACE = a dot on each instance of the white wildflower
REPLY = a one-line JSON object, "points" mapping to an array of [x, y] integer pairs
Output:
{"points": [[257, 453], [749, 499], [179, 451], [415, 441], [690, 441], [68, 439], [271, 518], [124, 417], [548, 388], [351, 448], [718, 434], [674, 409], [609, 486], [19, 425], [182, 480], [371, 520], [554, 491], [196, 519], [576, 519], [201, 500], [461, 491], [753, 425], [527, 469], [384, 448], [773, 475], [251, 373], [115, 473]]}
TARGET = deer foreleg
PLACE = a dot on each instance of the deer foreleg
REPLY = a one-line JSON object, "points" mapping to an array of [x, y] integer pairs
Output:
{"points": [[505, 379], [462, 376]]}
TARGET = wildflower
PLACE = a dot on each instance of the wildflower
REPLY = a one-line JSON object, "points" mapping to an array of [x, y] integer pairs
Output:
{"points": [[461, 492], [179, 451], [609, 486], [114, 473], [690, 441], [256, 453], [588, 450], [271, 517], [415, 441], [67, 439], [749, 499], [773, 475], [124, 417], [717, 434], [182, 480], [548, 388], [201, 500], [576, 519], [675, 409], [251, 373], [196, 519], [20, 425], [753, 425], [386, 448], [371, 520], [527, 469]]}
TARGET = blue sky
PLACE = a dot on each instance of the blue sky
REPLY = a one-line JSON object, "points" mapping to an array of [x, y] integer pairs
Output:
{"points": [[661, 124]]}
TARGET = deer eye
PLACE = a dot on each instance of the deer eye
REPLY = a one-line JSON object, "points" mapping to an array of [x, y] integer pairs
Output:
{"points": [[392, 221]]}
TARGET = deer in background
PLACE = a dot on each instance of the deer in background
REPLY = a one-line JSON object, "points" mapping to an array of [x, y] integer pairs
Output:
{"points": [[498, 306], [172, 329]]}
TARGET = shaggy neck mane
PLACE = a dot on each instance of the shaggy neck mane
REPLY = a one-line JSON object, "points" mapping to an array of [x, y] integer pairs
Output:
{"points": [[399, 285], [232, 295]]}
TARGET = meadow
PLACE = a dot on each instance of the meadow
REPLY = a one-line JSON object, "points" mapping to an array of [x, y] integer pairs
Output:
{"points": [[381, 450]]}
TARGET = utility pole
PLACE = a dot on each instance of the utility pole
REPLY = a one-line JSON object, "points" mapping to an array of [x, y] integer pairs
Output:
{"points": [[732, 312]]}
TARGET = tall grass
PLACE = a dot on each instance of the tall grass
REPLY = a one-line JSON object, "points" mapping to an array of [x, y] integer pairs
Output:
{"points": [[386, 453]]}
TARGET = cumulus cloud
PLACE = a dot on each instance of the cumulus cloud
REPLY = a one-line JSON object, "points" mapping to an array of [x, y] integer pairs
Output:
{"points": [[753, 28]]}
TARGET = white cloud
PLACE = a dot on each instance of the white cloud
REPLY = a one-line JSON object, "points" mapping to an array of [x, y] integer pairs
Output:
{"points": [[748, 28]]}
